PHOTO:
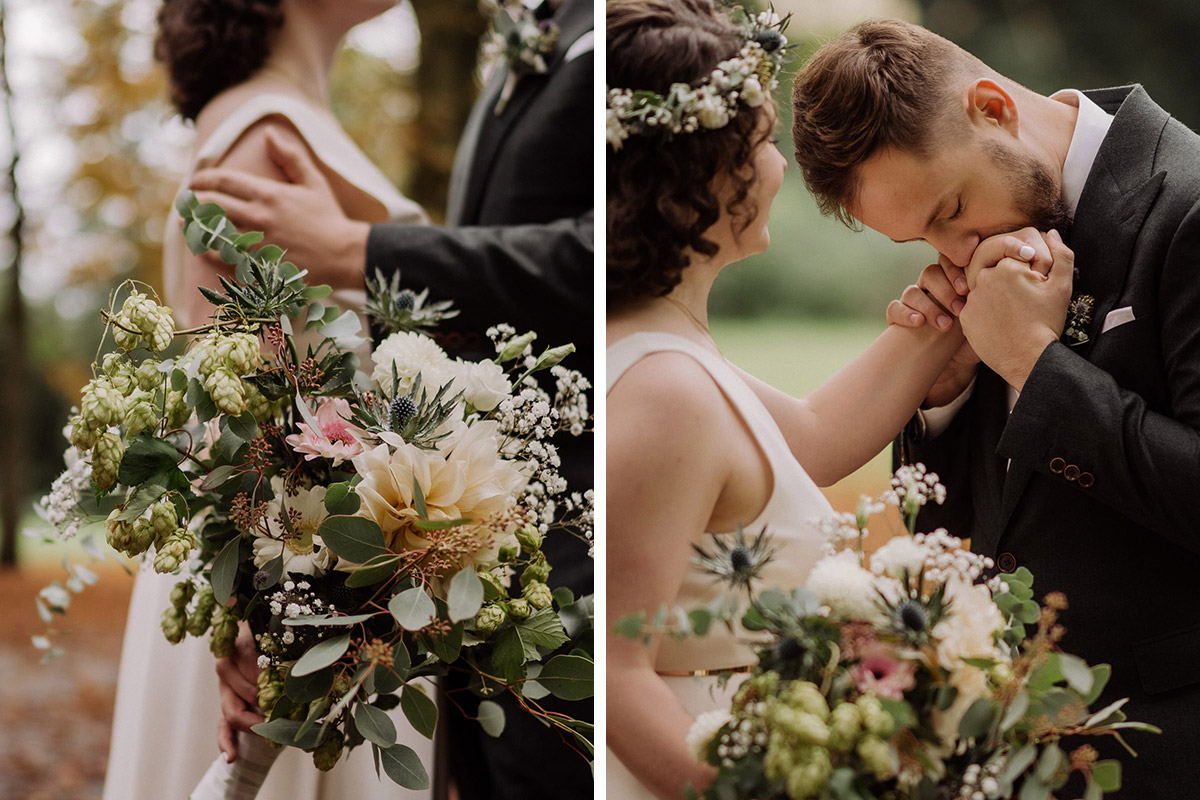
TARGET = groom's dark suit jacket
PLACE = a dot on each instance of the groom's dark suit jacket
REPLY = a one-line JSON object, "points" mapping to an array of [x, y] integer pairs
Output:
{"points": [[518, 248], [1102, 497]]}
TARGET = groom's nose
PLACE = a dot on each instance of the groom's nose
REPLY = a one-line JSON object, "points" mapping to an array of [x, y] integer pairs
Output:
{"points": [[957, 247]]}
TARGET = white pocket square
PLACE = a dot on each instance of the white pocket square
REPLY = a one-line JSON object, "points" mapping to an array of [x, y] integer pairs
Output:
{"points": [[584, 44], [1117, 317]]}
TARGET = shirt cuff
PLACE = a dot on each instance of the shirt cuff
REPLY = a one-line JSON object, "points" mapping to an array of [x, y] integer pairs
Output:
{"points": [[936, 420]]}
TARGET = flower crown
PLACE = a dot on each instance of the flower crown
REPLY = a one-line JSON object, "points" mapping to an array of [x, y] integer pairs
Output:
{"points": [[746, 79]]}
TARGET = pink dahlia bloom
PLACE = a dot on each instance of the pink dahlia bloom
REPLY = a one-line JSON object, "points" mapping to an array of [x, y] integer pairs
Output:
{"points": [[336, 440], [880, 672]]}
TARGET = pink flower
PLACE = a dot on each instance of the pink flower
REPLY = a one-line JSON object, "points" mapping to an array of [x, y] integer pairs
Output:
{"points": [[335, 440], [880, 672]]}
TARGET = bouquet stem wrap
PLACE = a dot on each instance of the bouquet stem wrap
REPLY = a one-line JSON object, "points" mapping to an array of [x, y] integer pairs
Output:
{"points": [[242, 779]]}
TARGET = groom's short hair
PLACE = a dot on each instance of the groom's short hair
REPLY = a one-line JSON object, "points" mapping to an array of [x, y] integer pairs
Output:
{"points": [[883, 83]]}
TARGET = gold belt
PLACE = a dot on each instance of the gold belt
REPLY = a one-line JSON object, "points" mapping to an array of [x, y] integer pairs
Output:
{"points": [[701, 673]]}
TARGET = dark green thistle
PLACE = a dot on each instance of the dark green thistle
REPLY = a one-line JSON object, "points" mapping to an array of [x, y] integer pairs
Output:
{"points": [[393, 309]]}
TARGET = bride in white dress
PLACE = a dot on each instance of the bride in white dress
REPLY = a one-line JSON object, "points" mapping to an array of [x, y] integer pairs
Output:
{"points": [[693, 443], [242, 69]]}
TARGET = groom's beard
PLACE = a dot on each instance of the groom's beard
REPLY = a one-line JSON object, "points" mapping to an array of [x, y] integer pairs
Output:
{"points": [[1038, 198]]}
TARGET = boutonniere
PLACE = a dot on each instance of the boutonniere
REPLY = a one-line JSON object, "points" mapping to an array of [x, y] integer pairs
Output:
{"points": [[523, 41], [1079, 316]]}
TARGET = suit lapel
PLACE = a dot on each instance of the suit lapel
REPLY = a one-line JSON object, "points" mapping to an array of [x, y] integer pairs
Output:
{"points": [[574, 18], [1120, 190]]}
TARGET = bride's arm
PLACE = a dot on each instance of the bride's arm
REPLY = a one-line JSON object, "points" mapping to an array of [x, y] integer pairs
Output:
{"points": [[665, 472], [851, 417]]}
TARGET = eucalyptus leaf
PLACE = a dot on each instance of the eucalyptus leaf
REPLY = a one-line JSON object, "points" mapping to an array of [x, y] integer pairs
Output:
{"points": [[491, 718], [1076, 671], [286, 731], [465, 596], [419, 709], [322, 654], [306, 688], [412, 608], [220, 476], [328, 620], [375, 725], [404, 767], [373, 571], [354, 539], [224, 571], [340, 500], [1016, 709]]}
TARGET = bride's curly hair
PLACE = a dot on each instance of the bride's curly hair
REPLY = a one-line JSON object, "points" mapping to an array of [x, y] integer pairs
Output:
{"points": [[209, 45], [660, 197]]}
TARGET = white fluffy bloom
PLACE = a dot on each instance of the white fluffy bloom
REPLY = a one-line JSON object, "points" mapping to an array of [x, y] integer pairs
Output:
{"points": [[710, 110], [969, 629], [302, 548], [752, 92], [411, 353], [900, 555], [483, 383], [850, 591], [701, 734]]}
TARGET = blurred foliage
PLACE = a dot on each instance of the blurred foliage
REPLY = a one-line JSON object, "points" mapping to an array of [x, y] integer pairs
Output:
{"points": [[817, 267]]}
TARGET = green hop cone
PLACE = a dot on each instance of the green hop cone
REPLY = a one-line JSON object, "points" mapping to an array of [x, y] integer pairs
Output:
{"points": [[159, 338], [509, 553], [102, 405], [82, 435], [174, 551], [177, 409], [106, 459], [329, 751], [240, 352], [493, 586], [520, 609], [201, 615], [875, 719], [805, 696], [530, 538], [489, 618], [143, 537], [119, 533], [173, 625], [845, 726], [257, 404], [226, 390], [538, 595], [112, 363], [536, 571], [147, 375], [810, 774], [877, 757], [801, 726], [125, 332], [780, 757], [124, 380], [224, 632], [141, 311], [142, 417], [205, 353], [181, 594], [163, 520]]}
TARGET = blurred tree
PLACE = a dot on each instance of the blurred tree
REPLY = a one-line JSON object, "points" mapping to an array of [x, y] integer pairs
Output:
{"points": [[13, 445], [446, 86], [1084, 44]]}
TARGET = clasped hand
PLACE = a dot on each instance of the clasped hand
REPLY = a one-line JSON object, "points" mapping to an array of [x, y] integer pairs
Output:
{"points": [[1011, 301]]}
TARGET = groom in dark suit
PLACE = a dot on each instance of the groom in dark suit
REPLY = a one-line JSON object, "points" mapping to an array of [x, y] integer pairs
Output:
{"points": [[1077, 458], [517, 247]]}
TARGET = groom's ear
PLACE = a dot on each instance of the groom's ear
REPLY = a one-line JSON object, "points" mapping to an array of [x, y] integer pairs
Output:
{"points": [[989, 104]]}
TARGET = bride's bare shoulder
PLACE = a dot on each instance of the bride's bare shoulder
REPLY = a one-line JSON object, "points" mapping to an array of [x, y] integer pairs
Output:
{"points": [[668, 392]]}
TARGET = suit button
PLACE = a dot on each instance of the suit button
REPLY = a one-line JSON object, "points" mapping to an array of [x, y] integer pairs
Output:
{"points": [[1057, 465], [1087, 480], [1071, 472], [1007, 562]]}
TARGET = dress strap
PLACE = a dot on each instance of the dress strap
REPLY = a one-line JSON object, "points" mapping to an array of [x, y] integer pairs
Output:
{"points": [[328, 141], [623, 354]]}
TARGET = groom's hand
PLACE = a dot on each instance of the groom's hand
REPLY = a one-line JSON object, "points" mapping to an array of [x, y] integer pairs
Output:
{"points": [[301, 214], [1014, 312]]}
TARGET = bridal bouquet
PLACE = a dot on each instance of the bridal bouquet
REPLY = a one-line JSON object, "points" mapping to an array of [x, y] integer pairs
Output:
{"points": [[369, 529], [899, 676]]}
